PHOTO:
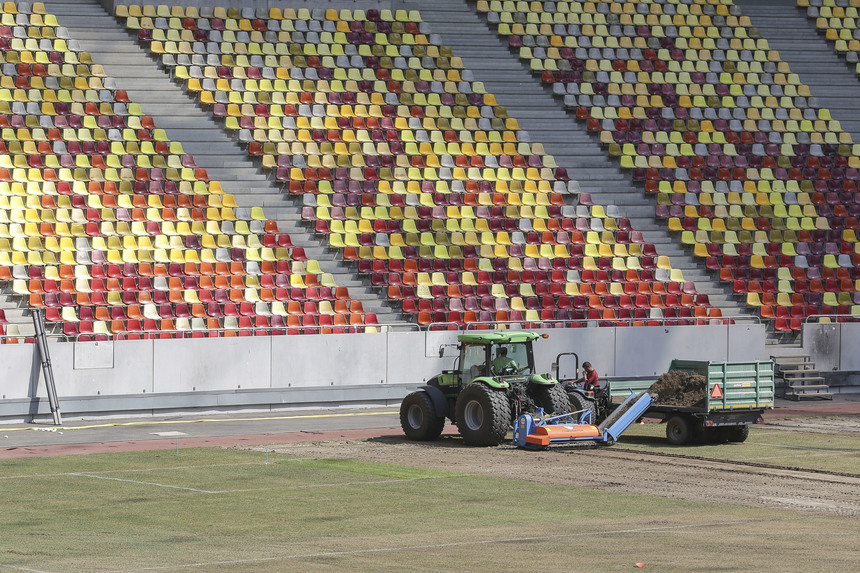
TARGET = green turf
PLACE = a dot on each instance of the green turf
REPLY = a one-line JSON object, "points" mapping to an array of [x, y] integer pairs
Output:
{"points": [[226, 510], [766, 445]]}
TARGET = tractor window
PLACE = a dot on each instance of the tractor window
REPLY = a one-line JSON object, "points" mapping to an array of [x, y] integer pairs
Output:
{"points": [[511, 359], [474, 362]]}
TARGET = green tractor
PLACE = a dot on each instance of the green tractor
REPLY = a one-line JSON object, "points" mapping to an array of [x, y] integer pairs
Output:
{"points": [[492, 383]]}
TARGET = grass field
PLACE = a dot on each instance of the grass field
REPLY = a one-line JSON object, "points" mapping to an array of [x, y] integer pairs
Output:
{"points": [[209, 509]]}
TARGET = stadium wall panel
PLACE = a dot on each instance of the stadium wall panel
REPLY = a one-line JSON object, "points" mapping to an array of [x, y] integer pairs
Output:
{"points": [[145, 376], [211, 364], [849, 357]]}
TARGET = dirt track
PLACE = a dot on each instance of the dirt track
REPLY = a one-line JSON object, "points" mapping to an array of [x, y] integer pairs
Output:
{"points": [[610, 470]]}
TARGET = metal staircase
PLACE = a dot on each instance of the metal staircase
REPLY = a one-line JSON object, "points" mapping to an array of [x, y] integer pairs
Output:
{"points": [[831, 81], [800, 378]]}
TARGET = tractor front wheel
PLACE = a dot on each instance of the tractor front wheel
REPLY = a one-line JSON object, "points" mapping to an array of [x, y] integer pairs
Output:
{"points": [[418, 417], [553, 399], [483, 415]]}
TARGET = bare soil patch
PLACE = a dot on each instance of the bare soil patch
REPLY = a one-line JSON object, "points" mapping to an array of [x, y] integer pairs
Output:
{"points": [[602, 468]]}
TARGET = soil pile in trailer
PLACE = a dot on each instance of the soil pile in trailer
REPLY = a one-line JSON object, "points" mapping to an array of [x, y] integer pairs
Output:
{"points": [[679, 388]]}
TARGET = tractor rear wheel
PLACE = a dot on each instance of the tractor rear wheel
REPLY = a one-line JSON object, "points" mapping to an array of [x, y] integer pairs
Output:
{"points": [[483, 415], [418, 417], [553, 399], [578, 402]]}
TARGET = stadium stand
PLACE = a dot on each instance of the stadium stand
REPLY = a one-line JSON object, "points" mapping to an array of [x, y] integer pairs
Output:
{"points": [[811, 57], [757, 180], [113, 230], [409, 168], [837, 20]]}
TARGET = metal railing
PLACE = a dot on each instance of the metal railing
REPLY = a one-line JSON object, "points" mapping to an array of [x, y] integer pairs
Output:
{"points": [[407, 327], [593, 323], [29, 338], [243, 332], [831, 318]]}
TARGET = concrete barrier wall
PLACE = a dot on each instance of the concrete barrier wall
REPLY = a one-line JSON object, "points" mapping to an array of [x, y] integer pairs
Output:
{"points": [[294, 371], [833, 346], [258, 371], [849, 347], [824, 342]]}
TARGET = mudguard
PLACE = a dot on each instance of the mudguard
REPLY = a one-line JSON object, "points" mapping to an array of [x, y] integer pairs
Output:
{"points": [[542, 380], [440, 403], [490, 381]]}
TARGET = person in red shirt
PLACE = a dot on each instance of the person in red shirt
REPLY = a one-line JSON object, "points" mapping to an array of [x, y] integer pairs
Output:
{"points": [[589, 377]]}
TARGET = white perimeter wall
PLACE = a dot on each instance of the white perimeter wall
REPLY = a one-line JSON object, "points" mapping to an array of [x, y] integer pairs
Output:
{"points": [[206, 364], [331, 369]]}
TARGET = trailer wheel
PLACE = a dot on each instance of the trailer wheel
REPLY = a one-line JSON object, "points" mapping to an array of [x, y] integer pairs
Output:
{"points": [[678, 431], [738, 433], [418, 417], [579, 402], [483, 415], [553, 399]]}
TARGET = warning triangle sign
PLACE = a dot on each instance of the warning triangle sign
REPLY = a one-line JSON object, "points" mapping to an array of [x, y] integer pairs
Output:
{"points": [[716, 392]]}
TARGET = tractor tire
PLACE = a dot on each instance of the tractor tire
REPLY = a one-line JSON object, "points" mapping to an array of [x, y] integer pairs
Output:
{"points": [[738, 433], [418, 417], [483, 415], [553, 399], [579, 402], [678, 431]]}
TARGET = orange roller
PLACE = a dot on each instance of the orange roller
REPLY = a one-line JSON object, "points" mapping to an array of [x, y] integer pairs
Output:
{"points": [[544, 434]]}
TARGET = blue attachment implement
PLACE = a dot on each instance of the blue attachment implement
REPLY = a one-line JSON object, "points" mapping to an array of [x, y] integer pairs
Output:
{"points": [[536, 431], [628, 412]]}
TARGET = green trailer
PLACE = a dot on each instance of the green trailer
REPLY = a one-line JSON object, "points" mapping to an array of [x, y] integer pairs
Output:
{"points": [[736, 396]]}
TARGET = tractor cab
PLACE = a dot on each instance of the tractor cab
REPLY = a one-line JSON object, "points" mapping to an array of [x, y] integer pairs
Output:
{"points": [[497, 359], [500, 357]]}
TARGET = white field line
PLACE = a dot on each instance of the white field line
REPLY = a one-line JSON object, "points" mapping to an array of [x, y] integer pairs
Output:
{"points": [[287, 489], [540, 538], [17, 568], [369, 482], [688, 527], [172, 468], [458, 544], [165, 468], [97, 475], [100, 475], [143, 482]]}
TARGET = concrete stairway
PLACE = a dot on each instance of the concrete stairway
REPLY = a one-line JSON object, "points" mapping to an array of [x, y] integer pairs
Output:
{"points": [[148, 84], [831, 81], [18, 317], [539, 113]]}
